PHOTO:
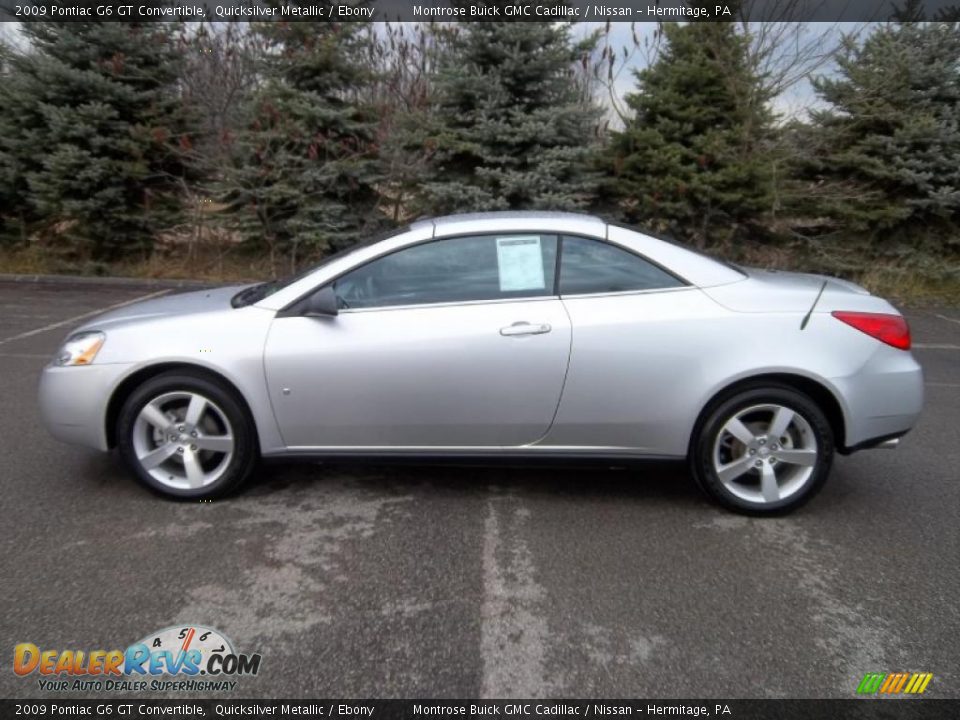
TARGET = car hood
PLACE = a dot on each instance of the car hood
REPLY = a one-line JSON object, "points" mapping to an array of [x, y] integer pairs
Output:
{"points": [[188, 303], [778, 291]]}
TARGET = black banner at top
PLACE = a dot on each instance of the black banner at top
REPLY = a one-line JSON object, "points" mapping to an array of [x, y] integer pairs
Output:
{"points": [[639, 11], [449, 709]]}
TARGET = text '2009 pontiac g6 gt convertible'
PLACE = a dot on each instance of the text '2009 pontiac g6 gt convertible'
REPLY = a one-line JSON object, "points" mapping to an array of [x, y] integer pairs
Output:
{"points": [[502, 335]]}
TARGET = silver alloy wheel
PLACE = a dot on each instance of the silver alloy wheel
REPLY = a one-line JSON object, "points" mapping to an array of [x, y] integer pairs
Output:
{"points": [[765, 453], [183, 440]]}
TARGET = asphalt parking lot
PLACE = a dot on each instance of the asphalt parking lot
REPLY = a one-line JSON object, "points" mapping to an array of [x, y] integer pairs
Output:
{"points": [[449, 582]]}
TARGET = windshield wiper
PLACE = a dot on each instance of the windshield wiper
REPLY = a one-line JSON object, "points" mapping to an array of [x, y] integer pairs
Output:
{"points": [[252, 294]]}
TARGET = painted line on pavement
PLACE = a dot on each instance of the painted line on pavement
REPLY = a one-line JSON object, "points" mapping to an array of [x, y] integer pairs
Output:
{"points": [[948, 319], [513, 630]]}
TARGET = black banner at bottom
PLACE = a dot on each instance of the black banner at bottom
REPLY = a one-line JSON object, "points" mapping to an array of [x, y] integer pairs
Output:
{"points": [[894, 709]]}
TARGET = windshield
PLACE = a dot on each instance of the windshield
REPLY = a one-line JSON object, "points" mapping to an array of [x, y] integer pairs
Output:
{"points": [[256, 293]]}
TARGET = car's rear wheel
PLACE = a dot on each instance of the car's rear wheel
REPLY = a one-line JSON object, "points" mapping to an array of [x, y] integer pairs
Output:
{"points": [[765, 450], [187, 436]]}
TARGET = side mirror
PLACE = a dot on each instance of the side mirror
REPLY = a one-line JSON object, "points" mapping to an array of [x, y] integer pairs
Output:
{"points": [[323, 303]]}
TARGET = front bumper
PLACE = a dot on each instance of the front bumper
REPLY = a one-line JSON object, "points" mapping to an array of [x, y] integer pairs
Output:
{"points": [[74, 400]]}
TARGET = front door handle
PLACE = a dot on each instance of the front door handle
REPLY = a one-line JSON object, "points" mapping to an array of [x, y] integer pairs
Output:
{"points": [[525, 328]]}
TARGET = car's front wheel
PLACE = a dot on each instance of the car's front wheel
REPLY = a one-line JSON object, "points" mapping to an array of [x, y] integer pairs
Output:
{"points": [[765, 450], [187, 436]]}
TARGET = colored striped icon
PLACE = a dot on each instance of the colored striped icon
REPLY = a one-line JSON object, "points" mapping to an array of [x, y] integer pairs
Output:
{"points": [[894, 683]]}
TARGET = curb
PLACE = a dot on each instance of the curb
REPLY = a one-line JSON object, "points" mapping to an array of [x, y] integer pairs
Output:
{"points": [[121, 281]]}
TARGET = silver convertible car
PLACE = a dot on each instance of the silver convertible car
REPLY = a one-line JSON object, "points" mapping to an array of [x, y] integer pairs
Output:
{"points": [[522, 336]]}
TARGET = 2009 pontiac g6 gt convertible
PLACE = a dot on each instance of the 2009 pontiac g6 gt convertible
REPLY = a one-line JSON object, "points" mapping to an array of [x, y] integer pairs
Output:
{"points": [[509, 335]]}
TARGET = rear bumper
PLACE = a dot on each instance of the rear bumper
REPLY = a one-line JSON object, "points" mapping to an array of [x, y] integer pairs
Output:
{"points": [[882, 400], [73, 402]]}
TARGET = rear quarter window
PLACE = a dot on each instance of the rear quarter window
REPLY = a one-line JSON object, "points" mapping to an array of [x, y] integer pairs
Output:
{"points": [[591, 266]]}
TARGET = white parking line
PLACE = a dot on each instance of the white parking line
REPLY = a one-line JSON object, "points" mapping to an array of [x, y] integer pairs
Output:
{"points": [[70, 321], [513, 629], [936, 346], [948, 319]]}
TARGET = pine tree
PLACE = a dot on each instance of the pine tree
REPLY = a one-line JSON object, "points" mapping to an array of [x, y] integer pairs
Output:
{"points": [[508, 127], [11, 199], [691, 159], [94, 132], [305, 173], [889, 145]]}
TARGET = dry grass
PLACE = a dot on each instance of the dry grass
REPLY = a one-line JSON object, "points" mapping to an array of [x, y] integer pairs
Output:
{"points": [[198, 265], [913, 280], [912, 287]]}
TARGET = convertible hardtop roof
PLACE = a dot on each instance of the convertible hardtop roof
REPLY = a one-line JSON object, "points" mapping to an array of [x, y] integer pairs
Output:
{"points": [[697, 268], [509, 215], [523, 219], [694, 268]]}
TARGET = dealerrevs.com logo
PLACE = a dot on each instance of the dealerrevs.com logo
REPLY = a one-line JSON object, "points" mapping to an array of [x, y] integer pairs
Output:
{"points": [[179, 658]]}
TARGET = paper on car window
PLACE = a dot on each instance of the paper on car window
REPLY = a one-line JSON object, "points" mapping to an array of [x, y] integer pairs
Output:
{"points": [[520, 263]]}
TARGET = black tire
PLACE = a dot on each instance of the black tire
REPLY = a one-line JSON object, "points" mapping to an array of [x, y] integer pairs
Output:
{"points": [[708, 440], [245, 451]]}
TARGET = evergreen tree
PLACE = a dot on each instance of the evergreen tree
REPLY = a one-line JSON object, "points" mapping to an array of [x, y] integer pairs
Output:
{"points": [[508, 127], [92, 132], [10, 198], [305, 173], [889, 145], [692, 157]]}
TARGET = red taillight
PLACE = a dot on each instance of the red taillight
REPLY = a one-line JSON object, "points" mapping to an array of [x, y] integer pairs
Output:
{"points": [[891, 329]]}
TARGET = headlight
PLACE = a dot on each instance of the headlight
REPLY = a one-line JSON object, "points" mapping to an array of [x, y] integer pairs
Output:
{"points": [[80, 349]]}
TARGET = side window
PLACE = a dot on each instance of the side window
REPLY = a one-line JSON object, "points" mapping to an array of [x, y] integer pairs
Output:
{"points": [[484, 267], [591, 266]]}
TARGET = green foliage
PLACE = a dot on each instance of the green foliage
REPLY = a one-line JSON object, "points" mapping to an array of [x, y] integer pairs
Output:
{"points": [[315, 134], [92, 130], [9, 195], [508, 128], [692, 158], [887, 150], [305, 170]]}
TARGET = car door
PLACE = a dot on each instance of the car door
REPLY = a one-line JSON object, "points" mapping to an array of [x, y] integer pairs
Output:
{"points": [[452, 343]]}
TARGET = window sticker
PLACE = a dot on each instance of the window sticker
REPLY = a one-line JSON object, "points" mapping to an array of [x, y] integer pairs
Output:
{"points": [[520, 263]]}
